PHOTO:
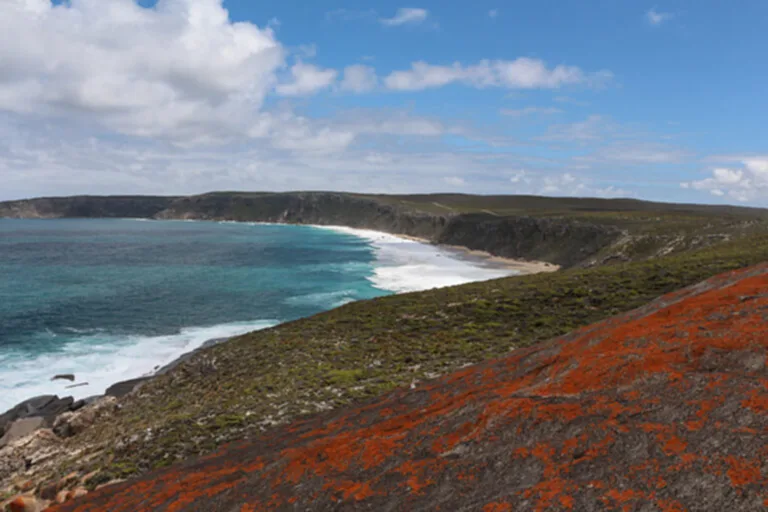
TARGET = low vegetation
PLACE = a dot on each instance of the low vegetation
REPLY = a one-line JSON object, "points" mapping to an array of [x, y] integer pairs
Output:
{"points": [[364, 349]]}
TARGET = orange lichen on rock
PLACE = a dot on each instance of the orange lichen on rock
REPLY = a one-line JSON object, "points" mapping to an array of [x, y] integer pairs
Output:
{"points": [[662, 408]]}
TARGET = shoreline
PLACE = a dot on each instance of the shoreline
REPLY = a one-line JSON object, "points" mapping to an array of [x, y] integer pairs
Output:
{"points": [[479, 257], [474, 258]]}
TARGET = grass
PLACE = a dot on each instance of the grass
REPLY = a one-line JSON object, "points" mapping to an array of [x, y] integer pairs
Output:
{"points": [[364, 349]]}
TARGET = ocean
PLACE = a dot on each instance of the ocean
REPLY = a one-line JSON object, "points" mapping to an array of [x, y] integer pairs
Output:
{"points": [[110, 300]]}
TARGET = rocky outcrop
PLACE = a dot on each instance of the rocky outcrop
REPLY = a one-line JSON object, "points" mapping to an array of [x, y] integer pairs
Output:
{"points": [[31, 452], [663, 408], [322, 208], [560, 241], [73, 423], [46, 408], [85, 207]]}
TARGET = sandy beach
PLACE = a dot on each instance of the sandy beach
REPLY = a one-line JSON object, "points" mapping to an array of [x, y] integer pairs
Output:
{"points": [[523, 267]]}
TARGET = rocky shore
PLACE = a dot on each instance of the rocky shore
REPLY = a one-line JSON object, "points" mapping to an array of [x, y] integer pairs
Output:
{"points": [[33, 438]]}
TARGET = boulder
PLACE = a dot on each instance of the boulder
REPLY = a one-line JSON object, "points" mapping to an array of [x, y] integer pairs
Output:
{"points": [[64, 376], [62, 496], [24, 409], [21, 428], [74, 422], [78, 493], [46, 407], [27, 452], [26, 504], [121, 389]]}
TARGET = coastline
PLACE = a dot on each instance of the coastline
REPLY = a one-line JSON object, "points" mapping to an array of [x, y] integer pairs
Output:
{"points": [[449, 258], [478, 257]]}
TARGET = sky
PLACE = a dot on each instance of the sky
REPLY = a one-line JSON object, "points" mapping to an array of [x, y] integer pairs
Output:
{"points": [[664, 101]]}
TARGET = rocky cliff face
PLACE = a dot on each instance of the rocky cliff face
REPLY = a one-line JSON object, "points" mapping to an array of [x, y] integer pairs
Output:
{"points": [[664, 408], [307, 208], [85, 207], [560, 241]]}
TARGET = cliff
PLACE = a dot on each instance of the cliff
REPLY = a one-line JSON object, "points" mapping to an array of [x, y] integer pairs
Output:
{"points": [[566, 232], [138, 207], [661, 408]]}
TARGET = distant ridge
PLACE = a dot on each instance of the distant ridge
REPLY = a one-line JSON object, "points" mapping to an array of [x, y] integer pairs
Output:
{"points": [[564, 231]]}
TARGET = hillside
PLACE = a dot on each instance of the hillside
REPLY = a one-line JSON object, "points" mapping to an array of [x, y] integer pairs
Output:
{"points": [[256, 384], [662, 408], [564, 231]]}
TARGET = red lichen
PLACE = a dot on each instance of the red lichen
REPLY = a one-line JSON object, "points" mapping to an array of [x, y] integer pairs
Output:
{"points": [[613, 415]]}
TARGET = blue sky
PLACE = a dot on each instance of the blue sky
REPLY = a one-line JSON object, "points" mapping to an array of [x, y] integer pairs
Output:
{"points": [[661, 101]]}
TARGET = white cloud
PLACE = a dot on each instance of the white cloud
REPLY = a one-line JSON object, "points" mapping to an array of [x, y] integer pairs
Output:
{"points": [[590, 130], [747, 183], [493, 13], [307, 79], [558, 184], [570, 101], [406, 16], [640, 153], [563, 184], [359, 78], [527, 111], [657, 18], [520, 176], [521, 73], [180, 70], [455, 181], [350, 14]]}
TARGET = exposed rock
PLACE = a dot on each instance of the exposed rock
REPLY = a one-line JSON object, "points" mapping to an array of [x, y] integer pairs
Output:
{"points": [[46, 407], [64, 376], [660, 409], [62, 496], [79, 385], [123, 388], [24, 486], [74, 422], [21, 428], [26, 504], [78, 493], [23, 454]]}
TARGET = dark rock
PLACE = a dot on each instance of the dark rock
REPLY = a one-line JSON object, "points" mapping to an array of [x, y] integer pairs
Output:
{"points": [[64, 376], [120, 389], [185, 357], [46, 406], [21, 428], [81, 384], [77, 405]]}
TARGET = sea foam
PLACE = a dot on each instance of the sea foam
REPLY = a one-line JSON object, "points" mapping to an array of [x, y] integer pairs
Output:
{"points": [[101, 360], [404, 265]]}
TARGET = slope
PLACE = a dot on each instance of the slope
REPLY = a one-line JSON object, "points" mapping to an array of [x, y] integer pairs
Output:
{"points": [[662, 408]]}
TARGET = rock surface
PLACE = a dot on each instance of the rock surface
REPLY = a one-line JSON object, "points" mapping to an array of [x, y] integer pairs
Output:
{"points": [[72, 423], [21, 428], [47, 407], [661, 409], [26, 504]]}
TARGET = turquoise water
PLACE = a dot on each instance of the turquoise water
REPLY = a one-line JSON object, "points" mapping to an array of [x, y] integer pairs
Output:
{"points": [[110, 300], [73, 293]]}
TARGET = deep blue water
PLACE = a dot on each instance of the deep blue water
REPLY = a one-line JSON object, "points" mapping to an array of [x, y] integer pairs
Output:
{"points": [[112, 299]]}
